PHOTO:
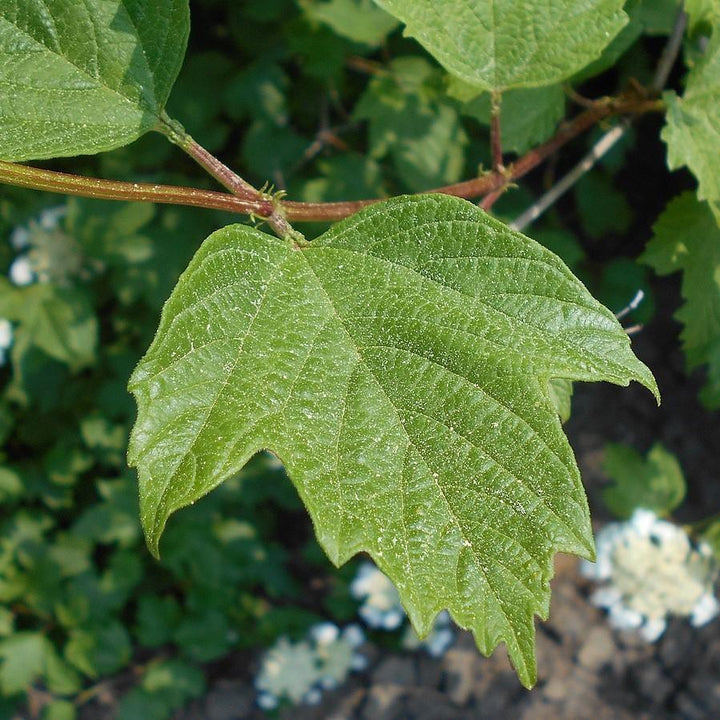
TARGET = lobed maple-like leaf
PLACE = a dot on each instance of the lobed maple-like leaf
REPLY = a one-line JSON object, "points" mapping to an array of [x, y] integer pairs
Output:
{"points": [[692, 129], [82, 77], [399, 367], [686, 238]]}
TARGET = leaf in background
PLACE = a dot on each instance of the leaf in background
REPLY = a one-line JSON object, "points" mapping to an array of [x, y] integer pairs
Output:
{"points": [[619, 282], [58, 321], [22, 660], [528, 116], [658, 16], [399, 367], [358, 20], [701, 12], [411, 121], [692, 129], [198, 97], [288, 149], [602, 207], [686, 238], [114, 518], [258, 91], [349, 176], [99, 650], [655, 483], [82, 77], [60, 710], [320, 52], [501, 44], [165, 687]]}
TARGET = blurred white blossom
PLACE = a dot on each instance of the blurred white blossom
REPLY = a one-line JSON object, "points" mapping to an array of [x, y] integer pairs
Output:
{"points": [[21, 271], [652, 570], [46, 252], [437, 642], [299, 672], [381, 609], [6, 338]]}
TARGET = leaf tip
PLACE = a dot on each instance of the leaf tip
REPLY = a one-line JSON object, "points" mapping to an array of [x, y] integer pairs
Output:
{"points": [[153, 532]]}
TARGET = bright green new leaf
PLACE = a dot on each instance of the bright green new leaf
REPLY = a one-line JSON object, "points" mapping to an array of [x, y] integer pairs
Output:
{"points": [[686, 238], [701, 11], [82, 77], [655, 483], [501, 44], [399, 367], [692, 130]]}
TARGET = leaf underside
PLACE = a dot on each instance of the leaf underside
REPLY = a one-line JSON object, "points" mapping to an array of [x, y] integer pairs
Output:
{"points": [[502, 44], [399, 368], [82, 77]]}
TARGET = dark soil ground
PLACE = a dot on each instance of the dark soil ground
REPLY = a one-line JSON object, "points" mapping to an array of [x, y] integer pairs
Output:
{"points": [[586, 669]]}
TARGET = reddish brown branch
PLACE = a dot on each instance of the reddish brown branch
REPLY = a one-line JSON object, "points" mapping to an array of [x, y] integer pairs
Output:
{"points": [[31, 177], [59, 182], [495, 134]]}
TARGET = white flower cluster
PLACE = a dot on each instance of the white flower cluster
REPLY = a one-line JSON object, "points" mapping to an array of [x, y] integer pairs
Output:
{"points": [[652, 570], [381, 610], [299, 672], [45, 252]]}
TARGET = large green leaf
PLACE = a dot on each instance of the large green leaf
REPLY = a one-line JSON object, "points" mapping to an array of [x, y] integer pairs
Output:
{"points": [[399, 367], [81, 77], [686, 238], [692, 130], [501, 44]]}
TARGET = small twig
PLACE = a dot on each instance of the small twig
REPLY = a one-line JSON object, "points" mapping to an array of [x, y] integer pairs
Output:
{"points": [[577, 98], [610, 138], [669, 54], [632, 305], [225, 176], [365, 66], [208, 162], [490, 199], [495, 135], [600, 148]]}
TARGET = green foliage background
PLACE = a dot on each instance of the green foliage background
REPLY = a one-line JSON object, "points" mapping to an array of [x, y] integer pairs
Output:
{"points": [[304, 95]]}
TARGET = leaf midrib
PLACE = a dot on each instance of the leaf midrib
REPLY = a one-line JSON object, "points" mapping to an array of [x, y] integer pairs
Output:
{"points": [[425, 278], [411, 443]]}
